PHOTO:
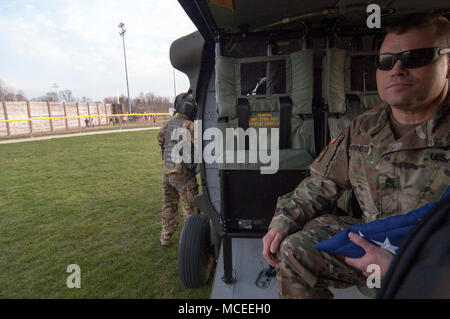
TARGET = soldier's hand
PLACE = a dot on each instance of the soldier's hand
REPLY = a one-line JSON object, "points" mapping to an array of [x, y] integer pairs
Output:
{"points": [[374, 255], [271, 243]]}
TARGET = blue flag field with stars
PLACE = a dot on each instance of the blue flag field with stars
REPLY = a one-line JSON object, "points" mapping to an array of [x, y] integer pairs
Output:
{"points": [[387, 233]]}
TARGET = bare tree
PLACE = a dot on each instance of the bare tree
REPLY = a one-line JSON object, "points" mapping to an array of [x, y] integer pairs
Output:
{"points": [[143, 103], [66, 96], [9, 94], [85, 99], [110, 100], [20, 96], [3, 90], [49, 97]]}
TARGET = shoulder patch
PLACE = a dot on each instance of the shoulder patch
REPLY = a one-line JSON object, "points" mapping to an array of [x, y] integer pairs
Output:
{"points": [[326, 157], [336, 139]]}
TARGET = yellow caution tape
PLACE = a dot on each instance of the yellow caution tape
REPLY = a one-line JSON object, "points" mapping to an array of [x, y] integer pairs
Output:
{"points": [[81, 116]]}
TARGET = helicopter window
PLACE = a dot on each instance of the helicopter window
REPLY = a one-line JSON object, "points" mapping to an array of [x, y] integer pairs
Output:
{"points": [[253, 78], [363, 73], [260, 78]]}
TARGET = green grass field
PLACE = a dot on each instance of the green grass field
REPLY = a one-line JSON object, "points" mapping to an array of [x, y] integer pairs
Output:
{"points": [[94, 201]]}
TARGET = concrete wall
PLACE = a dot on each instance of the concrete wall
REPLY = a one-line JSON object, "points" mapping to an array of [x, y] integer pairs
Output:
{"points": [[3, 129], [71, 110], [35, 110], [17, 111]]}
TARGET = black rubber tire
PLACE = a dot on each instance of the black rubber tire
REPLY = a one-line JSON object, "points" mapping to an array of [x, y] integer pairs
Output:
{"points": [[195, 252]]}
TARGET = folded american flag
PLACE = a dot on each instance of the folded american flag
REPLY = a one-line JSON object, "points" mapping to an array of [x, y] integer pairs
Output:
{"points": [[387, 233]]}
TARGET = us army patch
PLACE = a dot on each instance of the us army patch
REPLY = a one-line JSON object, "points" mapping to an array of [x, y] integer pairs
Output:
{"points": [[329, 151], [359, 148], [335, 139]]}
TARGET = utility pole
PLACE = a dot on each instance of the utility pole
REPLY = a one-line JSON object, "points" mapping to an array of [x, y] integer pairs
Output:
{"points": [[122, 34]]}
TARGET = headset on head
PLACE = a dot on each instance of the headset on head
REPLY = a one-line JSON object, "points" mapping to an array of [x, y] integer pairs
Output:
{"points": [[185, 104]]}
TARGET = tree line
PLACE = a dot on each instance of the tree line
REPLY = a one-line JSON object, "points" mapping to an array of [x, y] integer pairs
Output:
{"points": [[10, 94], [143, 103]]}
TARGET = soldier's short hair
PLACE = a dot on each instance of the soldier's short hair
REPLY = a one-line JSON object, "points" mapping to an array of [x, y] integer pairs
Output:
{"points": [[422, 20]]}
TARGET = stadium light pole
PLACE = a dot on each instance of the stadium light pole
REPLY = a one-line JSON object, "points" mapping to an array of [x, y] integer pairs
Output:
{"points": [[56, 86], [122, 34]]}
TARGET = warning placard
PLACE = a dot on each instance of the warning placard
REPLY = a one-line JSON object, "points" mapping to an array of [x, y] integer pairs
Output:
{"points": [[264, 119]]}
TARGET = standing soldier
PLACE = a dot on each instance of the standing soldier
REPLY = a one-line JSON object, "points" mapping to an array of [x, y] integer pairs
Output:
{"points": [[178, 178]]}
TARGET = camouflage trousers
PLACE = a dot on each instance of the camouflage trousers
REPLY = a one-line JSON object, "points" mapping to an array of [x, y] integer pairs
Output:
{"points": [[305, 272], [171, 196]]}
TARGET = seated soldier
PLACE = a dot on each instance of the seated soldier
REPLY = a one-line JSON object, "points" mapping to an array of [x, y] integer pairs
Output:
{"points": [[394, 157]]}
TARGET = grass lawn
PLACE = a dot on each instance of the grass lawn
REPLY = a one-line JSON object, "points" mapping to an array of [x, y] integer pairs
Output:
{"points": [[94, 201], [83, 129]]}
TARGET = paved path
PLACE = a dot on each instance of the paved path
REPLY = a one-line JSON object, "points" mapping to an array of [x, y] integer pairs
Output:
{"points": [[49, 137]]}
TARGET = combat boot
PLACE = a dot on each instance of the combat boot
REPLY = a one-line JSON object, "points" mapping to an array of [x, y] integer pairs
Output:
{"points": [[164, 241]]}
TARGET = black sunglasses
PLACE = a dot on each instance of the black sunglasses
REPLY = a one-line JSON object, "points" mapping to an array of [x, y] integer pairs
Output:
{"points": [[410, 59]]}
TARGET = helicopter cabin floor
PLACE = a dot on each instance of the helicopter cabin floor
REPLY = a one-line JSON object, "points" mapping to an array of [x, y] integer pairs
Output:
{"points": [[250, 281]]}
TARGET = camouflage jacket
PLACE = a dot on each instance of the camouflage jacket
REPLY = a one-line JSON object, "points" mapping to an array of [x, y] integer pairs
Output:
{"points": [[189, 125], [388, 176]]}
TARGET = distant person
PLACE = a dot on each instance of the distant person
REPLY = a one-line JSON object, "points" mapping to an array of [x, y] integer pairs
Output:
{"points": [[87, 122], [178, 178]]}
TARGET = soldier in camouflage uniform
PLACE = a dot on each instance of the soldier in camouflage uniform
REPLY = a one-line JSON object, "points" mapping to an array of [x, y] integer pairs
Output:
{"points": [[395, 158], [178, 179]]}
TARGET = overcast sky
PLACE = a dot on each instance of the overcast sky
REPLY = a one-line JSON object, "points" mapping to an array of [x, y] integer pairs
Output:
{"points": [[76, 43]]}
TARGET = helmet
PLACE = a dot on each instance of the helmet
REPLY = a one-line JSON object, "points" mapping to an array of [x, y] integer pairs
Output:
{"points": [[185, 104]]}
